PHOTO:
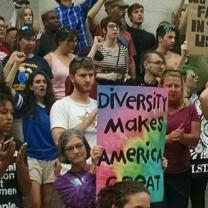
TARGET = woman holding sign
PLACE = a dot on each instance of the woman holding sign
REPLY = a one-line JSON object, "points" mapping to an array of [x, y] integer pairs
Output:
{"points": [[77, 187], [183, 130]]}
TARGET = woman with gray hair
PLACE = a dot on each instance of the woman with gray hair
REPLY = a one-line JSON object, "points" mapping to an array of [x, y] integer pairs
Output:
{"points": [[77, 187]]}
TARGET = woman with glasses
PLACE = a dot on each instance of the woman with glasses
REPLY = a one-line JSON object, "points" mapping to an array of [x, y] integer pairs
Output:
{"points": [[60, 59], [115, 63], [183, 130], [77, 187]]}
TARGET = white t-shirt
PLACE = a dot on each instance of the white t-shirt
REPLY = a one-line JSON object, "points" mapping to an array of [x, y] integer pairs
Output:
{"points": [[67, 113]]}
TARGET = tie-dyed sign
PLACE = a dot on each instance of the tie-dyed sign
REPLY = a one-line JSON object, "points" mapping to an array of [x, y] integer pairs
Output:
{"points": [[131, 129]]}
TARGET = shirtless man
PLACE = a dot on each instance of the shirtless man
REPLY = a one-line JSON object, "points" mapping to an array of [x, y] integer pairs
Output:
{"points": [[166, 35]]}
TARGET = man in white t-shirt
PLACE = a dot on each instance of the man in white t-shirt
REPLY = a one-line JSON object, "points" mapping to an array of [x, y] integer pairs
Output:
{"points": [[77, 110]]}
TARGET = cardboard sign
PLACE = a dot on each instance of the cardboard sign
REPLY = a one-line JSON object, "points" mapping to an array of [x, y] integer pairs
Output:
{"points": [[197, 27], [132, 125]]}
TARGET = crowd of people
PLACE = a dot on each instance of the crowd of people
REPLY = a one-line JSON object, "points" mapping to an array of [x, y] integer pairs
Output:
{"points": [[48, 107]]}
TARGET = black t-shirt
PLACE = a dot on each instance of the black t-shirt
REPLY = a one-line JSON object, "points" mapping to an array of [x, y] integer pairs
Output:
{"points": [[47, 43], [10, 194], [143, 41], [9, 191], [26, 68]]}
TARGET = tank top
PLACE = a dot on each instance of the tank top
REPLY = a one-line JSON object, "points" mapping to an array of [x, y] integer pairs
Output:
{"points": [[60, 72]]}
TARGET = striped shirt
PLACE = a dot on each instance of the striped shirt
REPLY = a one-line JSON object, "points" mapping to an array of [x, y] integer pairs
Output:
{"points": [[75, 18], [118, 63]]}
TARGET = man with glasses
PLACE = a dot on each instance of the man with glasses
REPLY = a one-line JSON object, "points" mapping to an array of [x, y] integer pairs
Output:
{"points": [[77, 110], [4, 51], [153, 64]]}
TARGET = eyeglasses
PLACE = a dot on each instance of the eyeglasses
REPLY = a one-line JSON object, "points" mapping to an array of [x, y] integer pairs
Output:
{"points": [[112, 26], [77, 146]]}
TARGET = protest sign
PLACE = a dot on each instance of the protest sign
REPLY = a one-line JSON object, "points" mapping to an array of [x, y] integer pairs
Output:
{"points": [[131, 128], [197, 27]]}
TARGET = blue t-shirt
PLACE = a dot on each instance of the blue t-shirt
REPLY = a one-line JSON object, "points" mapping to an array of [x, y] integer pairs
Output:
{"points": [[38, 136]]}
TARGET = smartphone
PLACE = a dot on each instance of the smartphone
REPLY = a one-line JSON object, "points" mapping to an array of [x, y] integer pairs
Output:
{"points": [[5, 145]]}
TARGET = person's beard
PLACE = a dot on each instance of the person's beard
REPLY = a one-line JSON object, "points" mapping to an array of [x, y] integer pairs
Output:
{"points": [[80, 88]]}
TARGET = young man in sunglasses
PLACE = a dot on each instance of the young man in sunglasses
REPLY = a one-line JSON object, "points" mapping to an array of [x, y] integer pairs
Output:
{"points": [[77, 110]]}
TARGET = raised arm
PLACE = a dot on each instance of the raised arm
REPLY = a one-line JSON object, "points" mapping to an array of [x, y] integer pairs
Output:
{"points": [[176, 13], [93, 12], [184, 55]]}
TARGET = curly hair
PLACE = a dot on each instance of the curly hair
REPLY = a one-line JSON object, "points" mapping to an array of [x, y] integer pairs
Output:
{"points": [[119, 193]]}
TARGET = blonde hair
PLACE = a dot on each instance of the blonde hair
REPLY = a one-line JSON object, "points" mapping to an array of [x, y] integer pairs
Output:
{"points": [[20, 21], [175, 73]]}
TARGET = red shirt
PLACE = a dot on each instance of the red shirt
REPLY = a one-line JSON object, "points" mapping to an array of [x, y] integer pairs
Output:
{"points": [[4, 51], [178, 154]]}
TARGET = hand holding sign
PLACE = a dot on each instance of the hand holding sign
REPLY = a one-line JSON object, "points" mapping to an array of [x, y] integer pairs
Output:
{"points": [[95, 153]]}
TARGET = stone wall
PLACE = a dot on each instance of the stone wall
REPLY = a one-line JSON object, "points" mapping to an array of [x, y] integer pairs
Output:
{"points": [[155, 10]]}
